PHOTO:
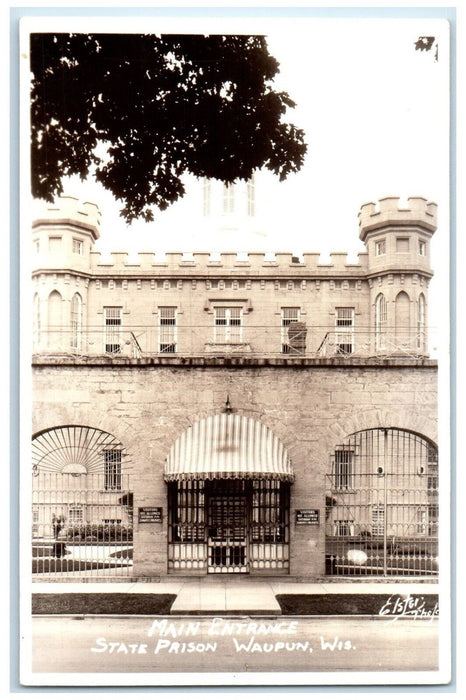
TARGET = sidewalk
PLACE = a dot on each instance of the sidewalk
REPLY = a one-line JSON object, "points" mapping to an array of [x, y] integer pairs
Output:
{"points": [[259, 597]]}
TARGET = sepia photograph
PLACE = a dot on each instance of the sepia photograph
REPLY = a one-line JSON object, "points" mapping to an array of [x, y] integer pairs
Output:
{"points": [[235, 428]]}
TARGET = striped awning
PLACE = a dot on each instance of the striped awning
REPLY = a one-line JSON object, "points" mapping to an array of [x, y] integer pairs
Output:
{"points": [[228, 446]]}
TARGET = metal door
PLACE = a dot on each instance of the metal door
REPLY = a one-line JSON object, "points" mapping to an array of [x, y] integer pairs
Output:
{"points": [[227, 533]]}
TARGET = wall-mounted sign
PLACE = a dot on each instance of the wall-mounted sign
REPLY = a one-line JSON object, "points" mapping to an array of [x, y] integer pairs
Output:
{"points": [[150, 514], [307, 516]]}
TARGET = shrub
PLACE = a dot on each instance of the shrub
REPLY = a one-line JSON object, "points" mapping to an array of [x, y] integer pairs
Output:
{"points": [[100, 533]]}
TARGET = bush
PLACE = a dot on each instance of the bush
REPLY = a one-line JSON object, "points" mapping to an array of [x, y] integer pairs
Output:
{"points": [[99, 533]]}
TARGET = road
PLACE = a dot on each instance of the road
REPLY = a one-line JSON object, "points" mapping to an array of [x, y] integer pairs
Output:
{"points": [[231, 645]]}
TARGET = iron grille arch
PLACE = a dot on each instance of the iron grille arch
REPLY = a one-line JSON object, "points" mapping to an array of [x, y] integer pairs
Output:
{"points": [[55, 449], [382, 504], [82, 510]]}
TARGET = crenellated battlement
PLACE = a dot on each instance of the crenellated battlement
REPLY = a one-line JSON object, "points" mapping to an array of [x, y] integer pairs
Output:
{"points": [[203, 263], [70, 210], [387, 212], [76, 216]]}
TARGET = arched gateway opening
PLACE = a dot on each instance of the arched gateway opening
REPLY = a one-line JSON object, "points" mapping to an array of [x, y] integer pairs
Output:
{"points": [[228, 498]]}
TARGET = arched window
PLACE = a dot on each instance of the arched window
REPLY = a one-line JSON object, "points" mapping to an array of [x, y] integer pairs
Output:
{"points": [[402, 321], [54, 320], [76, 321], [380, 322], [421, 322], [36, 321]]}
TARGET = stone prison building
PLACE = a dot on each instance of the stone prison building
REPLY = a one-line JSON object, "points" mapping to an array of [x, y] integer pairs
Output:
{"points": [[234, 414]]}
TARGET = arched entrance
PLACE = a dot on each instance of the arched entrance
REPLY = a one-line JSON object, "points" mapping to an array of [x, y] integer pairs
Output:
{"points": [[228, 498], [382, 505], [82, 503]]}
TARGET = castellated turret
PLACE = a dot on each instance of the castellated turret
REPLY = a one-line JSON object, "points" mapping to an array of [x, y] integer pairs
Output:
{"points": [[398, 240], [64, 234], [62, 237], [397, 237]]}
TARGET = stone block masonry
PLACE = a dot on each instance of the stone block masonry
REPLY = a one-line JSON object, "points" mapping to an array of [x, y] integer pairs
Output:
{"points": [[310, 406]]}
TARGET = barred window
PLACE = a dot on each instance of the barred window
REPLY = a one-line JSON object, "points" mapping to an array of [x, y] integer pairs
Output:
{"points": [[75, 515], [289, 315], [228, 322], [380, 321], [343, 470], [186, 514], [421, 521], [344, 340], [378, 520], [433, 521], [269, 511], [421, 322], [344, 316], [343, 528], [35, 521], [76, 321], [167, 329], [112, 470], [113, 322], [432, 470]]}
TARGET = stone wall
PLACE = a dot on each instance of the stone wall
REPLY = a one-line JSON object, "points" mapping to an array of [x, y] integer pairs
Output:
{"points": [[310, 406]]}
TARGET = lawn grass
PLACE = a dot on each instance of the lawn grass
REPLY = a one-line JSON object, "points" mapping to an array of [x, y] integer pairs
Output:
{"points": [[45, 566], [344, 604], [102, 603], [160, 604]]}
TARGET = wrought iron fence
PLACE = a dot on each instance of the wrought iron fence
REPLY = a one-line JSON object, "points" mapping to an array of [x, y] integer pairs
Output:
{"points": [[81, 524], [382, 506]]}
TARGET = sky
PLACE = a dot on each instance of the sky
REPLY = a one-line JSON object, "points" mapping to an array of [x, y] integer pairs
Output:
{"points": [[375, 114], [376, 118]]}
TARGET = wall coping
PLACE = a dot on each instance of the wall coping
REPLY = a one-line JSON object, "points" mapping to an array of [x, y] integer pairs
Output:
{"points": [[236, 362]]}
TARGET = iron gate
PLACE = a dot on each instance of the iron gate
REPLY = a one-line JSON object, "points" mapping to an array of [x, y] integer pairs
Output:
{"points": [[228, 525], [227, 533], [82, 504], [80, 526], [382, 505]]}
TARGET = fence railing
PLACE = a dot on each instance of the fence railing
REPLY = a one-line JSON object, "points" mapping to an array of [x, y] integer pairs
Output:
{"points": [[249, 341], [81, 525]]}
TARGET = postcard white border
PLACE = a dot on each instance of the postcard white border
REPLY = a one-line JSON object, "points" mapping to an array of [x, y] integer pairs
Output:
{"points": [[194, 24]]}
